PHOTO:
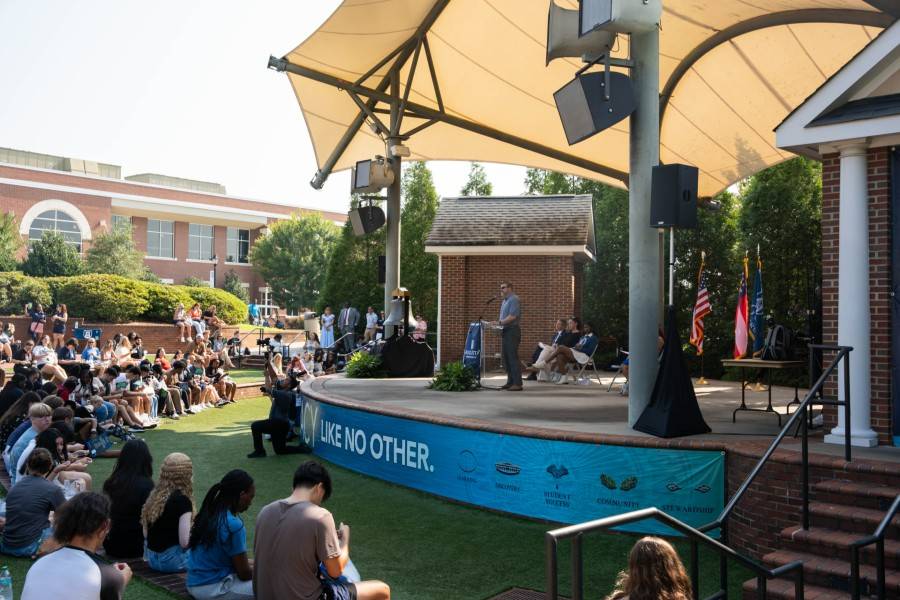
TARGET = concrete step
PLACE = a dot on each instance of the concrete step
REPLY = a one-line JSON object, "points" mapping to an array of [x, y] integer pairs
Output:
{"points": [[834, 573], [864, 495], [836, 544], [783, 589], [850, 519]]}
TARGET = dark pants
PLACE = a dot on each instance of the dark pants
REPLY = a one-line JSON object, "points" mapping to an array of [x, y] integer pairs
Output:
{"points": [[348, 342], [509, 350], [278, 429]]}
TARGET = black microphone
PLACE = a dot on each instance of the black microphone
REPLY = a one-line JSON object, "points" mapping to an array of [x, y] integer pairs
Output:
{"points": [[492, 298]]}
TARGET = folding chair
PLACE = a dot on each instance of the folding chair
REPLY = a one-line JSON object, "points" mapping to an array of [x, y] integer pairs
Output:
{"points": [[620, 369], [589, 363]]}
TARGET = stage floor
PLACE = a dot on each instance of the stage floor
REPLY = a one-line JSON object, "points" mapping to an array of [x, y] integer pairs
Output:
{"points": [[577, 409]]}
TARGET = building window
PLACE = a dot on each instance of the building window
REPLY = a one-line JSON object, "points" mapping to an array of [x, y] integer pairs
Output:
{"points": [[160, 238], [238, 245], [58, 221], [121, 221], [200, 242]]}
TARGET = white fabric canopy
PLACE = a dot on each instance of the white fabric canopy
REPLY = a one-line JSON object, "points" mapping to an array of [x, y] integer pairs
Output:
{"points": [[489, 58]]}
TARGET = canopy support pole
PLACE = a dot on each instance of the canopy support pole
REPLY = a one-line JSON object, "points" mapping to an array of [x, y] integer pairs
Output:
{"points": [[392, 214], [644, 262]]}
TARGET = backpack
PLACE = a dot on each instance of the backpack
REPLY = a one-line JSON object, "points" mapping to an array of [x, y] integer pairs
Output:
{"points": [[778, 343]]}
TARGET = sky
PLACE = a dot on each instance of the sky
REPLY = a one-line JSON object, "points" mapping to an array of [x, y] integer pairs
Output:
{"points": [[179, 88]]}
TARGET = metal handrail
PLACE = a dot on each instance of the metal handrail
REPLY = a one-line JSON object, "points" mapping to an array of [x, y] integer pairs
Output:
{"points": [[876, 538], [576, 533]]}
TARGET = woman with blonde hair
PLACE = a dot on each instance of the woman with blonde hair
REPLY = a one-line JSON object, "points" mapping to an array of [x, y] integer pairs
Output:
{"points": [[654, 573], [167, 514], [122, 353]]}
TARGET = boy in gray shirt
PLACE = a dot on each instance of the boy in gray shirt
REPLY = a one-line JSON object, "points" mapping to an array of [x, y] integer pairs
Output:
{"points": [[28, 507]]}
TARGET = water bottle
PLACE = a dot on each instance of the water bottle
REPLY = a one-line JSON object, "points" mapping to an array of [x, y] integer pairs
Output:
{"points": [[6, 589]]}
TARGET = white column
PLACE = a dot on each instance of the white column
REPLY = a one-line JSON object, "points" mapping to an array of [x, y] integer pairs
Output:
{"points": [[853, 297]]}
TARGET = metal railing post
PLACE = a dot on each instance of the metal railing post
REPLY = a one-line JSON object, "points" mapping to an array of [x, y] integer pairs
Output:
{"points": [[847, 407], [695, 569], [552, 566], [854, 572], [805, 466], [723, 561], [798, 584], [577, 568], [879, 568], [761, 583]]}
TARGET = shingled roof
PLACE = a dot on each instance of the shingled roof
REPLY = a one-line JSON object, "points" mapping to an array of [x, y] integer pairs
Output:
{"points": [[519, 224]]}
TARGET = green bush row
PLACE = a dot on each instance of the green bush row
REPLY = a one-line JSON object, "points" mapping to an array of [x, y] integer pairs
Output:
{"points": [[111, 298]]}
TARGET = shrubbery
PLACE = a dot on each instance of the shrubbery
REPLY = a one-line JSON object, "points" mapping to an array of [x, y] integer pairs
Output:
{"points": [[112, 298], [105, 298], [454, 377], [363, 365]]}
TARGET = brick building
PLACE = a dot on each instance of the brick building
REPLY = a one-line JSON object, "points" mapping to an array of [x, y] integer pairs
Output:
{"points": [[185, 228], [852, 124], [539, 244]]}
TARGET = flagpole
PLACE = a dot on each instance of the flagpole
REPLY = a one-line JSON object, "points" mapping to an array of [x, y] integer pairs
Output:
{"points": [[702, 380]]}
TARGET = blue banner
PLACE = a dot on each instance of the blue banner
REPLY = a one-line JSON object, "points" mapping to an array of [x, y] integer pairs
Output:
{"points": [[566, 482], [472, 353]]}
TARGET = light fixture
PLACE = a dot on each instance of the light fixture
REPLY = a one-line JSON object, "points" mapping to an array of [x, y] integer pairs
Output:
{"points": [[371, 175], [621, 16]]}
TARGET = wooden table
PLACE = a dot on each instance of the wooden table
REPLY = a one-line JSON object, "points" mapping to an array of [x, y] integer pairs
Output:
{"points": [[755, 363]]}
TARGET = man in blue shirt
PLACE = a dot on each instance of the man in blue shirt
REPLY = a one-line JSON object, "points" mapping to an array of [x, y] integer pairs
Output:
{"points": [[510, 313], [253, 311]]}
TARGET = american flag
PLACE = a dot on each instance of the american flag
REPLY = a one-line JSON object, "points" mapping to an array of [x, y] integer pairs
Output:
{"points": [[701, 308], [741, 317]]}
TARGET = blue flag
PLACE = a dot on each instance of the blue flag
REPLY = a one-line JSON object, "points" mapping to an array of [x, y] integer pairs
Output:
{"points": [[472, 353], [757, 318]]}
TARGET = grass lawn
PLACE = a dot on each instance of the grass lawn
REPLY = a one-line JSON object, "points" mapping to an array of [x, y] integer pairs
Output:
{"points": [[424, 547], [246, 375]]}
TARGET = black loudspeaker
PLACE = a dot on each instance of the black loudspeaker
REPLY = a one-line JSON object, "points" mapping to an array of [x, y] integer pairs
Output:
{"points": [[382, 270], [366, 219], [583, 107], [673, 198]]}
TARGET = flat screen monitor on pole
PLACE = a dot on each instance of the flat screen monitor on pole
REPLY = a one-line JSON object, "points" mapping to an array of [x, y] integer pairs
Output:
{"points": [[361, 174]]}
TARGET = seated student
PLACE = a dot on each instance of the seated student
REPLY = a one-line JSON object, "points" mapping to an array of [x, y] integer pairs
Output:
{"points": [[137, 349], [63, 420], [554, 339], [224, 385], [181, 320], [195, 316], [11, 392], [74, 571], [166, 516], [217, 565], [122, 353], [213, 322], [580, 353], [91, 354], [40, 416], [28, 507], [44, 356], [654, 571], [115, 383], [299, 553], [161, 359], [139, 398], [169, 397], [68, 357], [128, 487], [180, 385], [16, 415], [65, 469], [7, 339]]}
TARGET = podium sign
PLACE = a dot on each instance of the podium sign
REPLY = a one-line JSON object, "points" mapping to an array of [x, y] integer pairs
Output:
{"points": [[472, 353]]}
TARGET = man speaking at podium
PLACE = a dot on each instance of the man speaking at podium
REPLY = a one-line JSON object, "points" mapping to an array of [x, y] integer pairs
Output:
{"points": [[510, 312]]}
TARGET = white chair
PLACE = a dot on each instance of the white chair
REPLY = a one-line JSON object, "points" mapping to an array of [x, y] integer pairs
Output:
{"points": [[589, 364], [620, 370]]}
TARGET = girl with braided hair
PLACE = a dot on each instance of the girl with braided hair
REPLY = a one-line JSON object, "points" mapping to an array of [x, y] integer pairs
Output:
{"points": [[166, 516], [217, 565]]}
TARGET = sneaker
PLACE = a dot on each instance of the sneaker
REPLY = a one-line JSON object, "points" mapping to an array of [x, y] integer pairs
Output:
{"points": [[173, 416], [188, 412], [150, 425], [221, 403], [562, 380], [539, 365], [182, 340], [257, 454], [133, 429]]}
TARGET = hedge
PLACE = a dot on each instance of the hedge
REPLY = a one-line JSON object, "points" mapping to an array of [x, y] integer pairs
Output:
{"points": [[112, 298], [104, 298], [18, 289]]}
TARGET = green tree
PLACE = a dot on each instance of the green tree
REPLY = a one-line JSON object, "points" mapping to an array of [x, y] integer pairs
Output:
{"points": [[418, 272], [477, 184], [10, 242], [113, 252], [291, 257], [51, 256], [352, 271], [782, 213], [233, 285]]}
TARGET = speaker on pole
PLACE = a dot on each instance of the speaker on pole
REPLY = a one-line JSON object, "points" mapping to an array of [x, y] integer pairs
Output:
{"points": [[673, 197], [366, 219]]}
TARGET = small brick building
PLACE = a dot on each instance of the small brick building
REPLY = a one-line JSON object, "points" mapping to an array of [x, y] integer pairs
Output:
{"points": [[539, 244], [852, 124]]}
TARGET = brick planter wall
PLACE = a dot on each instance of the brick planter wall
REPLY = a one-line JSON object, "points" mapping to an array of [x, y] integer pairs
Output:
{"points": [[549, 287], [879, 281]]}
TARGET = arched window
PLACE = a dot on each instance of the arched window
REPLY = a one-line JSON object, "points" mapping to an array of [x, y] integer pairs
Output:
{"points": [[58, 221]]}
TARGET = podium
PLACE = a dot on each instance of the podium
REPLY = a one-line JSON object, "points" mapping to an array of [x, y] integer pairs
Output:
{"points": [[475, 354]]}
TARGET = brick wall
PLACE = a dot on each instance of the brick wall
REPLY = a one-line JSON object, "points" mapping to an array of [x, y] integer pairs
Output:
{"points": [[879, 280], [549, 287], [773, 502]]}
